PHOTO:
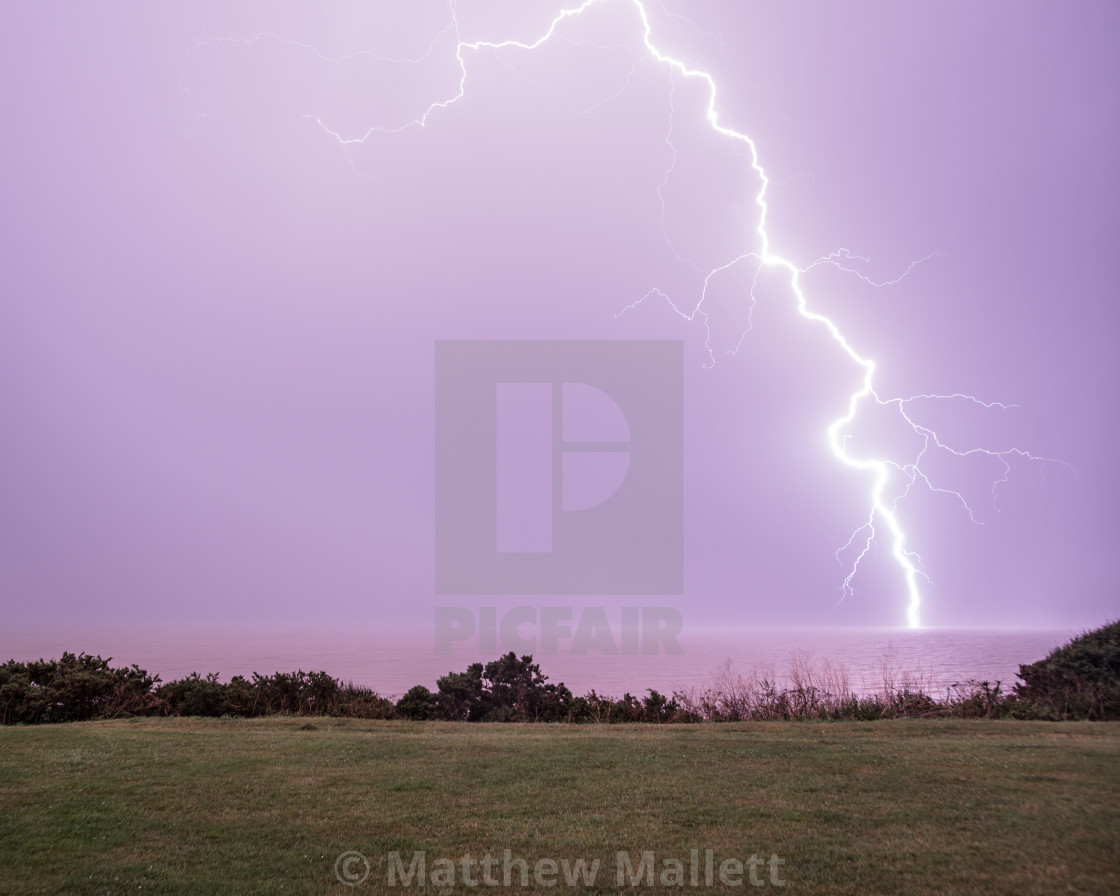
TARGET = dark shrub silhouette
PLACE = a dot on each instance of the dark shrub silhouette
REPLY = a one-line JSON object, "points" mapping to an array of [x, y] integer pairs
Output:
{"points": [[72, 689], [1080, 680], [418, 703]]}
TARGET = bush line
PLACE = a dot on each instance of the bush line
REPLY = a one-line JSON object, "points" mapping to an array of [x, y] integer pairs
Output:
{"points": [[1080, 680]]}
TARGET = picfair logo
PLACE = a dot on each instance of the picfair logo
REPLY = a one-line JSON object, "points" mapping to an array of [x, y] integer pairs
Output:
{"points": [[559, 467]]}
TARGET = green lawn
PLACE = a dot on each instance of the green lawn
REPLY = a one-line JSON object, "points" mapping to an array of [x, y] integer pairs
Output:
{"points": [[268, 806]]}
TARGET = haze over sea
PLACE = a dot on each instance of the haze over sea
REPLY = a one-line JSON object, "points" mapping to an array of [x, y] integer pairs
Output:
{"points": [[390, 663]]}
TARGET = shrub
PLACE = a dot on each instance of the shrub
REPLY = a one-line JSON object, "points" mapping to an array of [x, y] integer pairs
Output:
{"points": [[194, 695], [1080, 680], [71, 689], [418, 703]]}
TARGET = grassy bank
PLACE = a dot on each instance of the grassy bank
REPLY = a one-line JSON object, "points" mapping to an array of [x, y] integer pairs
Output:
{"points": [[268, 805]]}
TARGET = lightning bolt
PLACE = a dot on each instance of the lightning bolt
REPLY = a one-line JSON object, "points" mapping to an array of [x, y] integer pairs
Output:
{"points": [[881, 519]]}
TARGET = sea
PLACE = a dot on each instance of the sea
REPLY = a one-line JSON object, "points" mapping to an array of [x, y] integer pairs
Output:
{"points": [[870, 658]]}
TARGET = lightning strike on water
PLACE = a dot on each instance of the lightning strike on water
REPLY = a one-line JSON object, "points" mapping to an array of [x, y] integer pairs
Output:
{"points": [[882, 521]]}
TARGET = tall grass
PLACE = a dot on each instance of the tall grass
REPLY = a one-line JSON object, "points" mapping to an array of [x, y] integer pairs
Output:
{"points": [[824, 690]]}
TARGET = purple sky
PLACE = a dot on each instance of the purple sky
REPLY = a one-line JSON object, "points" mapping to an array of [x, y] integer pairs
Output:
{"points": [[217, 323]]}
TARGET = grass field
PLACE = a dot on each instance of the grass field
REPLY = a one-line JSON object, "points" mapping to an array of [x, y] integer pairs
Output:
{"points": [[269, 805]]}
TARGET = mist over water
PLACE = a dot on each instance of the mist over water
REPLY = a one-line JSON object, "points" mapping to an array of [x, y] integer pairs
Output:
{"points": [[391, 664]]}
